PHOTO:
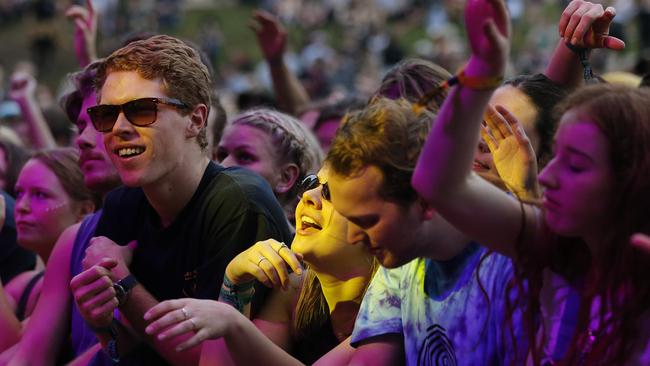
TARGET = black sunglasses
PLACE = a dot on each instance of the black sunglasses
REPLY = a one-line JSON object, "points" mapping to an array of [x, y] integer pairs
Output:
{"points": [[310, 182], [140, 112]]}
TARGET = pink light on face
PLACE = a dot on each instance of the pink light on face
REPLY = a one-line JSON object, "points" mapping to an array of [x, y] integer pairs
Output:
{"points": [[99, 173], [578, 180], [42, 209]]}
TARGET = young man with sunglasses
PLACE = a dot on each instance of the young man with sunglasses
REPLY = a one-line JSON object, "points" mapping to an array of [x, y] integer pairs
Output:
{"points": [[188, 216]]}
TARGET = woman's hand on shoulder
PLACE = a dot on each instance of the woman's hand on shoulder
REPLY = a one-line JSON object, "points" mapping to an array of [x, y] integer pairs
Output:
{"points": [[267, 261]]}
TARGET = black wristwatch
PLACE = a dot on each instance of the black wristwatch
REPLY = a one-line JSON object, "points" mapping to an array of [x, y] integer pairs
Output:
{"points": [[122, 288]]}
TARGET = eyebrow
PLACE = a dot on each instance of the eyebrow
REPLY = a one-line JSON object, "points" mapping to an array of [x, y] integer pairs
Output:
{"points": [[579, 152]]}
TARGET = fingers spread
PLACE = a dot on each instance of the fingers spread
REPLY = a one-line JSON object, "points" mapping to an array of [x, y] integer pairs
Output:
{"points": [[489, 139]]}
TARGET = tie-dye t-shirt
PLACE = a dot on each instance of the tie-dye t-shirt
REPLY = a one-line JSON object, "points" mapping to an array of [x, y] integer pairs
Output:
{"points": [[441, 310]]}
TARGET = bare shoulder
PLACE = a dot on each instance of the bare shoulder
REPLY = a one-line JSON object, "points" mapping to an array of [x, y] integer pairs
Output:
{"points": [[17, 285]]}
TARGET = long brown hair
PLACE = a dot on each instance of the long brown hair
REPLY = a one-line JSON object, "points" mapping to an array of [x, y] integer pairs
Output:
{"points": [[615, 276], [311, 309]]}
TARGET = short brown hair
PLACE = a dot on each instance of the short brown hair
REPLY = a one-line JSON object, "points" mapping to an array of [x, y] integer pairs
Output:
{"points": [[387, 134], [179, 66], [83, 83]]}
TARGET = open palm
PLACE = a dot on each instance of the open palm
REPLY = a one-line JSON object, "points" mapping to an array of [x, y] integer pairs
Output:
{"points": [[512, 152]]}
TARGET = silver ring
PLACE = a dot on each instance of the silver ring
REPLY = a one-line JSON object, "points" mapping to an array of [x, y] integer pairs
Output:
{"points": [[260, 261], [282, 246], [185, 313], [194, 327]]}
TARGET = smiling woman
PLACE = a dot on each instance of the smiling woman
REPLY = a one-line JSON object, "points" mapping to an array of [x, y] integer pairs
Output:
{"points": [[314, 312]]}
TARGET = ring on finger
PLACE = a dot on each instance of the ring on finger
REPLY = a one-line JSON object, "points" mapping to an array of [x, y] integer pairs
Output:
{"points": [[282, 246], [186, 315], [194, 327], [260, 261]]}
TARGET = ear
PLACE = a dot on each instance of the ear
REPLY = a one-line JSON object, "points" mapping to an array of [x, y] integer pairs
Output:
{"points": [[427, 212], [86, 207], [288, 177], [197, 121]]}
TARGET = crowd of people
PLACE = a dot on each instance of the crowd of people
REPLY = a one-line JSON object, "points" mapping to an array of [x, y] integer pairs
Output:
{"points": [[465, 217]]}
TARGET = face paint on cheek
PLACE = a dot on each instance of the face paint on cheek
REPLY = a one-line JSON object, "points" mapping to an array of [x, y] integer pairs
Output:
{"points": [[55, 207]]}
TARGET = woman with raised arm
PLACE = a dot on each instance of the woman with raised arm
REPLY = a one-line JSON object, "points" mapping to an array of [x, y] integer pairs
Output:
{"points": [[584, 281], [310, 312]]}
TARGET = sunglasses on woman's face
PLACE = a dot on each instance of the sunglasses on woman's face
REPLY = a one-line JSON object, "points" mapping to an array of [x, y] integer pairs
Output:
{"points": [[140, 112], [310, 182]]}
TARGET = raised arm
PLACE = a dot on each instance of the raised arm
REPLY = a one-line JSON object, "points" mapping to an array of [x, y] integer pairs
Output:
{"points": [[23, 89], [443, 174], [272, 40], [585, 25], [85, 32]]}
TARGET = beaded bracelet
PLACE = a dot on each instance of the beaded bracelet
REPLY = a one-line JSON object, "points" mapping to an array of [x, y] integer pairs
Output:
{"points": [[236, 295], [111, 346], [471, 82]]}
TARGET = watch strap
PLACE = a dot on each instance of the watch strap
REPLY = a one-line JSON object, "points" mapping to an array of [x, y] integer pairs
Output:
{"points": [[123, 286]]}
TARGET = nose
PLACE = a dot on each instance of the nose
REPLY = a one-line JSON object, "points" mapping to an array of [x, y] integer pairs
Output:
{"points": [[482, 147], [547, 176], [228, 162], [22, 204], [313, 198], [87, 138], [122, 125], [355, 234]]}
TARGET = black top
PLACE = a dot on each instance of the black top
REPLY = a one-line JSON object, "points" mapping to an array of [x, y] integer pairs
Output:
{"points": [[231, 210], [13, 258], [21, 306]]}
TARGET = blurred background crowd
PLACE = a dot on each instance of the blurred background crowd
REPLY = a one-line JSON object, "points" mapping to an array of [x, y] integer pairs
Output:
{"points": [[336, 47]]}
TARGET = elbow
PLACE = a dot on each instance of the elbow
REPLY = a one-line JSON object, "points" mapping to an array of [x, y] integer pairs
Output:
{"points": [[424, 185]]}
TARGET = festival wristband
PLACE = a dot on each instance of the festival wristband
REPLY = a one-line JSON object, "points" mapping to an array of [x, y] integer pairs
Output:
{"points": [[236, 295]]}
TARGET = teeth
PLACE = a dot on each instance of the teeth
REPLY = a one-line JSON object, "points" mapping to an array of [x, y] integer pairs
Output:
{"points": [[128, 151], [308, 220]]}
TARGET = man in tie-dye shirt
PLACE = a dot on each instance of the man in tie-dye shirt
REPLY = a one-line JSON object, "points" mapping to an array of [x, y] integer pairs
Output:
{"points": [[439, 300]]}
